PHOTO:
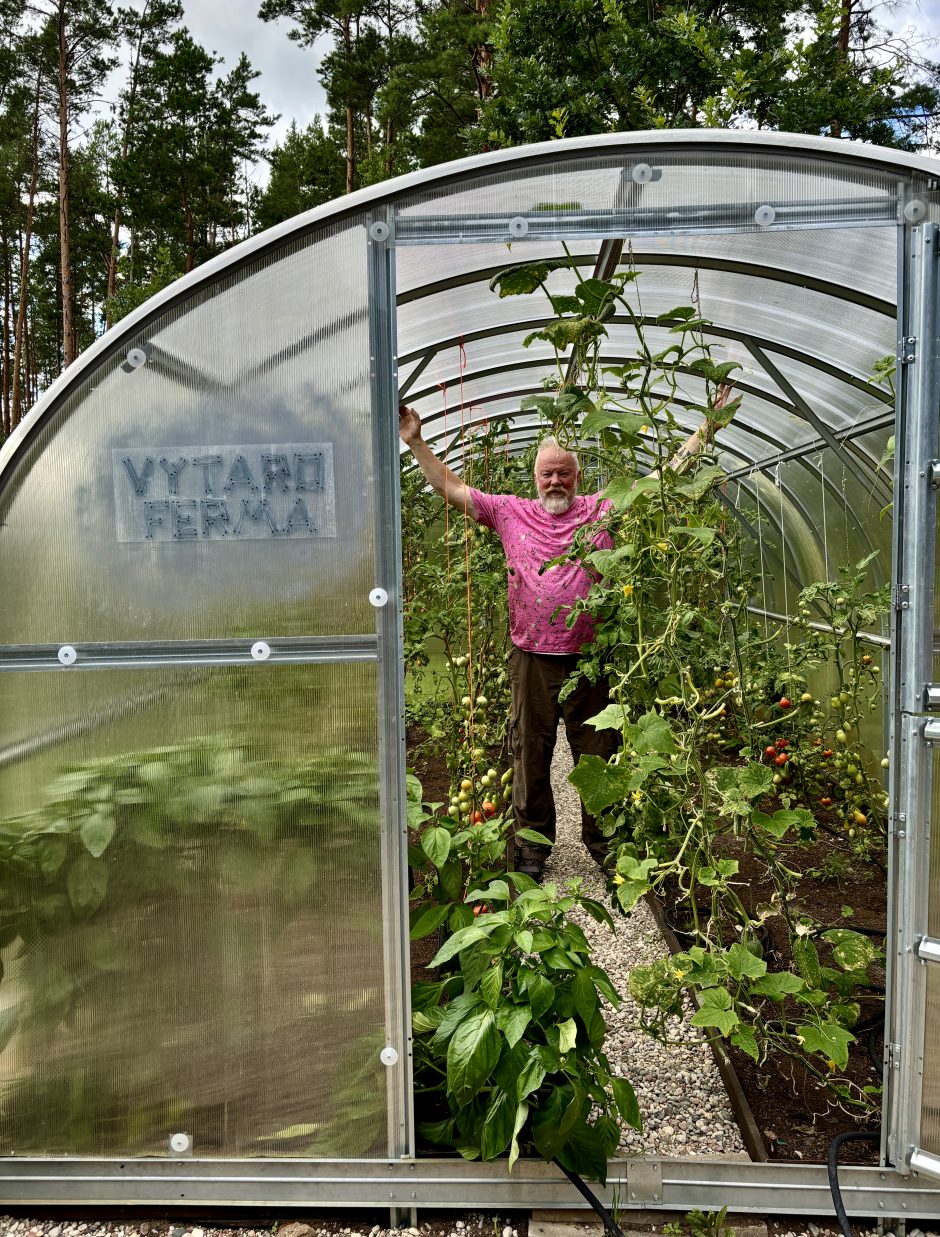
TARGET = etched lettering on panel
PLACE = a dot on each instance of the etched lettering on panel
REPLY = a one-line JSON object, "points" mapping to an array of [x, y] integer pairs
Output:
{"points": [[185, 495]]}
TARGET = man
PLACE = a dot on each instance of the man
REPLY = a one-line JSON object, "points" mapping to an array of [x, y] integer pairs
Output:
{"points": [[544, 650]]}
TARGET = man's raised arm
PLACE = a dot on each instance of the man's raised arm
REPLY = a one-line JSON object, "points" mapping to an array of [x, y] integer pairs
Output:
{"points": [[696, 442], [438, 476]]}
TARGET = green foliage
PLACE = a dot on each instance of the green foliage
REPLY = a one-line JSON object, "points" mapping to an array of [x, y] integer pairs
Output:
{"points": [[509, 1044], [609, 65]]}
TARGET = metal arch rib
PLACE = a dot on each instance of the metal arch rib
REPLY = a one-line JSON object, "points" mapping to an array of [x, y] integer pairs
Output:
{"points": [[787, 387], [755, 270], [811, 361], [871, 482], [874, 480]]}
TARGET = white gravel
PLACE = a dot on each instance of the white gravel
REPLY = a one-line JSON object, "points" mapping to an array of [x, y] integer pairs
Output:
{"points": [[682, 1099]]}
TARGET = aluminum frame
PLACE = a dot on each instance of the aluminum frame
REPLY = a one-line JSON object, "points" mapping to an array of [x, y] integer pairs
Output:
{"points": [[454, 1184], [391, 713], [913, 639]]}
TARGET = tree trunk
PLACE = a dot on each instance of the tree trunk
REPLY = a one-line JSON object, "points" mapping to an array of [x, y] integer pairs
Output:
{"points": [[350, 117], [68, 319], [20, 332], [125, 148], [845, 30], [7, 334], [190, 233]]}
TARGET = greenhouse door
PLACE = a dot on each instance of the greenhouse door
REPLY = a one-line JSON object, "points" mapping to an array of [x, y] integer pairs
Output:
{"points": [[912, 1036], [201, 815]]}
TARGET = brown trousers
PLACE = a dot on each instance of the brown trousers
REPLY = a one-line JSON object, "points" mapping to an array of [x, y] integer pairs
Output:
{"points": [[535, 680]]}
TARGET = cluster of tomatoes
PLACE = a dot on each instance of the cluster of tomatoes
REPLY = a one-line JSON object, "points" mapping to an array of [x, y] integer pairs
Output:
{"points": [[777, 752], [478, 801]]}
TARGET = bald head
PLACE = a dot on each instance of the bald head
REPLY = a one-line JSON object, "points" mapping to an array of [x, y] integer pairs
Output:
{"points": [[556, 477]]}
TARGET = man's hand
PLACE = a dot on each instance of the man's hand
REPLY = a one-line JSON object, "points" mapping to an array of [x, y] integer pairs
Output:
{"points": [[409, 425]]}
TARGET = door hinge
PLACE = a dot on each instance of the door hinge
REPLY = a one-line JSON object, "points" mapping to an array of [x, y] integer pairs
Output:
{"points": [[902, 597], [908, 349]]}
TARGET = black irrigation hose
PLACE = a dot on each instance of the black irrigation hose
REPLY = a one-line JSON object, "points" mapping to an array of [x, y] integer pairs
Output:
{"points": [[876, 1057], [610, 1224], [832, 1165]]}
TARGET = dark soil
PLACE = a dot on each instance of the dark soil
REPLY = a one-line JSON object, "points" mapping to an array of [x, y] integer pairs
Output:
{"points": [[797, 1116]]}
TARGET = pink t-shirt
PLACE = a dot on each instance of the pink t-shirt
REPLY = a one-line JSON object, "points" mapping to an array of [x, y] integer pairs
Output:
{"points": [[531, 537]]}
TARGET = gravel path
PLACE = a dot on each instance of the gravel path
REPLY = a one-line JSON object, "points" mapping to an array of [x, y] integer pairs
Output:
{"points": [[682, 1098]]}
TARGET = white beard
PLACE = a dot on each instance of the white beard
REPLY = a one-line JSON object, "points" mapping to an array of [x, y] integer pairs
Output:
{"points": [[556, 504]]}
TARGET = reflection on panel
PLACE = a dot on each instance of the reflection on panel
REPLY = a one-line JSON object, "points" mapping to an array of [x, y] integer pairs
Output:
{"points": [[222, 487], [191, 919]]}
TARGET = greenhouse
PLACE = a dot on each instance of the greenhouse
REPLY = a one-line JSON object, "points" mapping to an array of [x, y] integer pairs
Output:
{"points": [[204, 813]]}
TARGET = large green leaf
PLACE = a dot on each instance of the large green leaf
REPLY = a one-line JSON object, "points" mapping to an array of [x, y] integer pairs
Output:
{"points": [[531, 1076], [522, 1112], [635, 876], [611, 718], [541, 993], [512, 1020], [584, 1152], [498, 1125], [491, 985], [806, 959], [777, 985], [567, 1035], [525, 278], [626, 1101], [584, 995], [598, 783], [435, 843], [745, 1038], [629, 423], [851, 950], [828, 1040], [426, 919], [471, 1055], [87, 883], [555, 1119], [51, 853], [652, 733], [460, 940], [742, 964], [454, 1014], [716, 1011], [623, 492], [96, 832]]}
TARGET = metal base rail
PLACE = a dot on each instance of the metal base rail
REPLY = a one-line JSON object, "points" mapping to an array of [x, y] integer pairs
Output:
{"points": [[441, 1184]]}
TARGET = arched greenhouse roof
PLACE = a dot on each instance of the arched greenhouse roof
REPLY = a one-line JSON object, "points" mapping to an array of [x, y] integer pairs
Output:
{"points": [[789, 244]]}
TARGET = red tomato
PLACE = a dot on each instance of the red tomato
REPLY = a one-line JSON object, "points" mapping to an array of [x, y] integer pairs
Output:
{"points": [[477, 818], [827, 753], [785, 702], [781, 759], [782, 743], [489, 808], [826, 801], [770, 751]]}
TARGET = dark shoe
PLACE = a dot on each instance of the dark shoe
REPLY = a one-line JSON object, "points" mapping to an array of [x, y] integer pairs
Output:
{"points": [[530, 860], [601, 856]]}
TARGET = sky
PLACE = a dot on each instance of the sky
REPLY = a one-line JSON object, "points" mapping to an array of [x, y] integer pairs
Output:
{"points": [[288, 83]]}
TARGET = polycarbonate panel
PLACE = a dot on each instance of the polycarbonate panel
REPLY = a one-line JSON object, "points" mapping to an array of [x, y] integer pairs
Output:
{"points": [[191, 922], [217, 483], [713, 177]]}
